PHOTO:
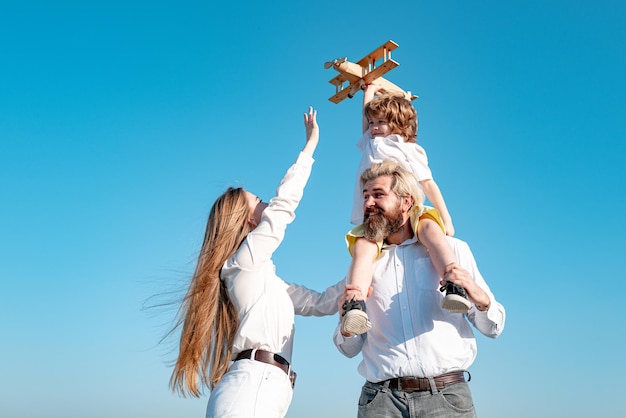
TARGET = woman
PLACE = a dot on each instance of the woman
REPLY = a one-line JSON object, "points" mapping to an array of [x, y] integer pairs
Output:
{"points": [[236, 307]]}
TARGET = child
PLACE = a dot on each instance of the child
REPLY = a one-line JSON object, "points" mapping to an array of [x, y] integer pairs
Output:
{"points": [[390, 128]]}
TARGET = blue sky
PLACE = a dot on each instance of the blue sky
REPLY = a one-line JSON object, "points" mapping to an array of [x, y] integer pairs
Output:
{"points": [[121, 122]]}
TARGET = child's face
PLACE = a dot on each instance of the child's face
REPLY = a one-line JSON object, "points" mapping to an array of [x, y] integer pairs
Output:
{"points": [[379, 126]]}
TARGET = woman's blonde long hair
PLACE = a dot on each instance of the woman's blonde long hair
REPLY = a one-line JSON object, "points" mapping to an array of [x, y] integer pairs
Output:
{"points": [[208, 317]]}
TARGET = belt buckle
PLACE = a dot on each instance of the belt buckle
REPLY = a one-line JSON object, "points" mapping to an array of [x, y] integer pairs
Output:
{"points": [[253, 354], [413, 384]]}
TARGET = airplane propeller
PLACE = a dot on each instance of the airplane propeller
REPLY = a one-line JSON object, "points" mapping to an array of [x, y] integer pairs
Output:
{"points": [[337, 61]]}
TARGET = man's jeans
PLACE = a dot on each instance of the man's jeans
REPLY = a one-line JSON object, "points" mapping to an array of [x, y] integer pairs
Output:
{"points": [[378, 401]]}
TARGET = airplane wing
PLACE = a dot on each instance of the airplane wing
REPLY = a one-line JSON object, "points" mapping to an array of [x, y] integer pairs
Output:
{"points": [[379, 71], [346, 84], [342, 94], [383, 51]]}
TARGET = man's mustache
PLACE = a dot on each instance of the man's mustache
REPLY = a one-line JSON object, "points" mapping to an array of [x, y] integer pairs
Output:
{"points": [[373, 211]]}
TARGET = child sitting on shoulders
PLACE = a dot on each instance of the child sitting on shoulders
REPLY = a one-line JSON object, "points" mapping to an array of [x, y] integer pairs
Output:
{"points": [[389, 132]]}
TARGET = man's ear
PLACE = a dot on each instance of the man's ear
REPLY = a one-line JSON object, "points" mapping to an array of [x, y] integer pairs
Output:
{"points": [[407, 203]]}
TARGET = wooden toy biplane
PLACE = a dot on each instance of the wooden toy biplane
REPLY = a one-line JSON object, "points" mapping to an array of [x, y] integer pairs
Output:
{"points": [[352, 76]]}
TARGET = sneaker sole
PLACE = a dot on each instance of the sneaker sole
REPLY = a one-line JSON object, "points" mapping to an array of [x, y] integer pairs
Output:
{"points": [[355, 322], [456, 304]]}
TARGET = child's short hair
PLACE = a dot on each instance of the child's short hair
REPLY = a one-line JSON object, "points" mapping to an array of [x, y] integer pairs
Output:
{"points": [[397, 111]]}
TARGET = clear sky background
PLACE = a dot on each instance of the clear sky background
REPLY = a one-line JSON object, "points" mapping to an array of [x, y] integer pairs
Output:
{"points": [[122, 121]]}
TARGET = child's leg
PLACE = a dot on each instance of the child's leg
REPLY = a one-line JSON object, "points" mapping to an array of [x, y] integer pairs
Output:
{"points": [[362, 268], [442, 256], [429, 233], [355, 320]]}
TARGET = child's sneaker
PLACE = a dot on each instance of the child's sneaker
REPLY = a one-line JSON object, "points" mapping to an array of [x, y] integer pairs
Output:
{"points": [[455, 299], [354, 319]]}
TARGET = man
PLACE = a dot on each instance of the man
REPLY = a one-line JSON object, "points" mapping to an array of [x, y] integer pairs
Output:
{"points": [[416, 351]]}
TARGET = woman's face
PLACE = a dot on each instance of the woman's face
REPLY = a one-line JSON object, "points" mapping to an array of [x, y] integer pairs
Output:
{"points": [[256, 207]]}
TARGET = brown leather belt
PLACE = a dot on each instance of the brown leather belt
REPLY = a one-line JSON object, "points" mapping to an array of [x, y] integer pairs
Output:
{"points": [[269, 358], [420, 384]]}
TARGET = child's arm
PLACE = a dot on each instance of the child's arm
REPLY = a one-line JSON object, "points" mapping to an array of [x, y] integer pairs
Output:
{"points": [[369, 91], [432, 192]]}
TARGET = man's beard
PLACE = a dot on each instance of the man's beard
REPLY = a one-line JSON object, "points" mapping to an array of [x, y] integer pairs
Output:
{"points": [[379, 224]]}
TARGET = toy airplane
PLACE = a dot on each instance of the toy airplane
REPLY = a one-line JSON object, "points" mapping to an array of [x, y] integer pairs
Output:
{"points": [[365, 72]]}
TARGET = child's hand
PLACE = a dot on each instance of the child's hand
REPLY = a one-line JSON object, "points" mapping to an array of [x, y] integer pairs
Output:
{"points": [[371, 88]]}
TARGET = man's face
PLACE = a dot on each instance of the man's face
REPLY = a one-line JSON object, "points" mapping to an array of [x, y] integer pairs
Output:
{"points": [[382, 209]]}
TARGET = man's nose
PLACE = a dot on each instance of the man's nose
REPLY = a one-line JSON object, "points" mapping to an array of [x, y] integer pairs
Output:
{"points": [[368, 202]]}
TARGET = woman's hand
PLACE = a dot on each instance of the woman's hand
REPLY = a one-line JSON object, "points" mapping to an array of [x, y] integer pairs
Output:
{"points": [[312, 131]]}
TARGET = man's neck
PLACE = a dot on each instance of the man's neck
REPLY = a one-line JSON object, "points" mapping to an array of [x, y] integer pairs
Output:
{"points": [[401, 235]]}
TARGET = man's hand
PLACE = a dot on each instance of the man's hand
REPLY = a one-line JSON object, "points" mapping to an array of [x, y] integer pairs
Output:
{"points": [[475, 294], [349, 293]]}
